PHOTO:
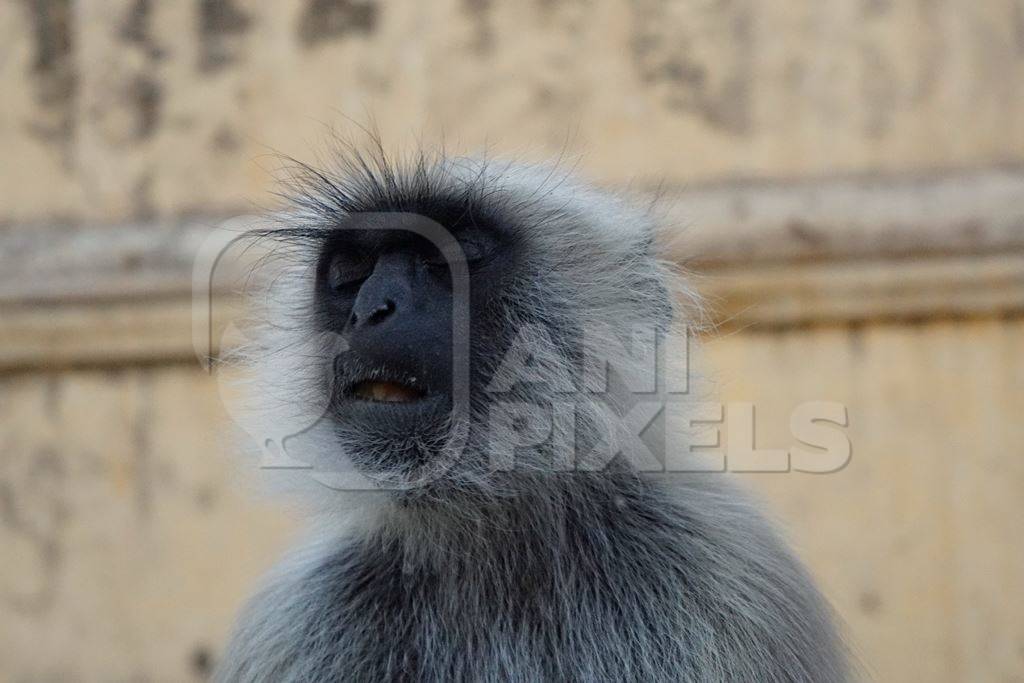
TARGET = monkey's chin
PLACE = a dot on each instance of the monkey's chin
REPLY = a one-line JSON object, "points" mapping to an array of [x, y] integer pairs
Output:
{"points": [[386, 439]]}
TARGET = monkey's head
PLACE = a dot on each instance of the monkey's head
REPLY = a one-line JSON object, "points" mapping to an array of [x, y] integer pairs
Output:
{"points": [[450, 322]]}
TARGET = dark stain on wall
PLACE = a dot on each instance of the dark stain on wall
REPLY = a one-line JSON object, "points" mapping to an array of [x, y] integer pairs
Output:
{"points": [[870, 602], [143, 207], [136, 29], [880, 91], [934, 53], [138, 92], [874, 8], [141, 430], [221, 25], [201, 662], [33, 507], [1018, 27], [206, 497], [855, 338], [225, 140], [806, 232], [53, 73], [52, 397], [699, 63], [479, 13], [324, 20], [145, 95]]}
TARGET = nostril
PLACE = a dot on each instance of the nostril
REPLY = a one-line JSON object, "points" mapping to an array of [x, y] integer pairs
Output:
{"points": [[371, 316], [382, 311]]}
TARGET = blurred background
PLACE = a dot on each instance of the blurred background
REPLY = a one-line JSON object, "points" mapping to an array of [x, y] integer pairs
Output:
{"points": [[846, 178]]}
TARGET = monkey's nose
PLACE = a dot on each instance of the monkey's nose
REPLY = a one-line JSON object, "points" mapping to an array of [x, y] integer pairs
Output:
{"points": [[384, 294]]}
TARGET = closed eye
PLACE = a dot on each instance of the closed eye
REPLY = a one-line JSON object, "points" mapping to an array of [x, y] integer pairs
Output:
{"points": [[348, 268]]}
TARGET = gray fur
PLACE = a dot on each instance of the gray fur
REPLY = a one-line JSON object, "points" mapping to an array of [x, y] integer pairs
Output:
{"points": [[533, 574]]}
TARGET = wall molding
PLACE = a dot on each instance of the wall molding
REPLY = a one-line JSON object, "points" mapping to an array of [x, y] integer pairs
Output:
{"points": [[832, 250]]}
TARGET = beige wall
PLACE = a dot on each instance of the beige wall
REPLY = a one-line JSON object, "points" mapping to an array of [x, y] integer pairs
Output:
{"points": [[848, 174], [130, 541], [918, 539]]}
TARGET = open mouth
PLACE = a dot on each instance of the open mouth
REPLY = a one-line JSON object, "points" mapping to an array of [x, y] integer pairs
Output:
{"points": [[386, 392]]}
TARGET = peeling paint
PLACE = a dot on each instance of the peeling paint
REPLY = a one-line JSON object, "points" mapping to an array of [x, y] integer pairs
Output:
{"points": [[136, 29], [32, 506], [54, 75], [1018, 27], [673, 58], [324, 20], [221, 24]]}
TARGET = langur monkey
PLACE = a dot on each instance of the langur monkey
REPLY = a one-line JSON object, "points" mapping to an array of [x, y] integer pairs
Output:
{"points": [[436, 319]]}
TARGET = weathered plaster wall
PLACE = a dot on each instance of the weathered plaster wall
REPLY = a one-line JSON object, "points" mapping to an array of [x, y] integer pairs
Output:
{"points": [[132, 108], [130, 538], [854, 167]]}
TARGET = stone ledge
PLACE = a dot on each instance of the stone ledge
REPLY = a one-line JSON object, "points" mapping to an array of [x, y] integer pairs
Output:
{"points": [[770, 254]]}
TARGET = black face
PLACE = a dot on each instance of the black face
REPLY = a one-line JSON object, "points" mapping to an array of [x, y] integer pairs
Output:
{"points": [[387, 291]]}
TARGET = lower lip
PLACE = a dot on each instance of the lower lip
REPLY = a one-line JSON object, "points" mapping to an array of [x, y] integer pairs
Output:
{"points": [[425, 401]]}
